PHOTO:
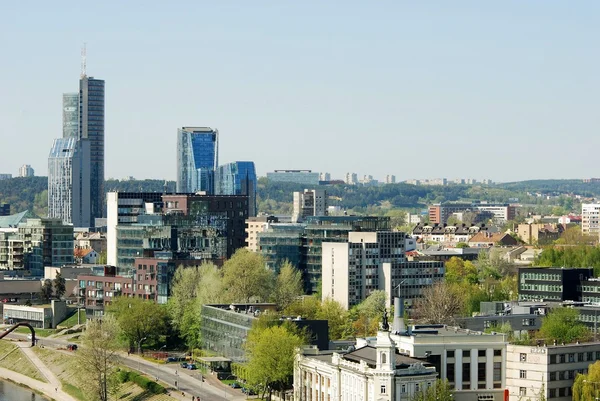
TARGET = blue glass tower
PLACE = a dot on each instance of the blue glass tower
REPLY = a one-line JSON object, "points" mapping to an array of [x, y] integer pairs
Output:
{"points": [[197, 159], [238, 178]]}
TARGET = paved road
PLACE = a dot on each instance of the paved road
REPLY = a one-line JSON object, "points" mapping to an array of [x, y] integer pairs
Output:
{"points": [[188, 381]]}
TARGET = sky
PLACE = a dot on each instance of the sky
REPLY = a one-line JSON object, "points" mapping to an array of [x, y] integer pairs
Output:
{"points": [[506, 90]]}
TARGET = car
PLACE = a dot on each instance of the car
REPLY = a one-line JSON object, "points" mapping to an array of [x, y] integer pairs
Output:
{"points": [[171, 359], [248, 391], [235, 385], [191, 366], [72, 347], [184, 365]]}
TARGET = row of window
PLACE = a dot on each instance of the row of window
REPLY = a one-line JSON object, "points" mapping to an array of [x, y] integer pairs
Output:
{"points": [[540, 276], [542, 287]]}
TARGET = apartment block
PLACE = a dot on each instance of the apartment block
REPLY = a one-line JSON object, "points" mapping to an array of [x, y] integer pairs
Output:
{"points": [[310, 202], [439, 213], [590, 218], [255, 225]]}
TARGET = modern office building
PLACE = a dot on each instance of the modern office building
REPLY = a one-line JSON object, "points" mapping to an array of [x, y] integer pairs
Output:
{"points": [[4, 209], [26, 171], [69, 181], [70, 117], [552, 284], [310, 202], [590, 218], [237, 178], [255, 225], [371, 261], [499, 212], [197, 159], [305, 177]]}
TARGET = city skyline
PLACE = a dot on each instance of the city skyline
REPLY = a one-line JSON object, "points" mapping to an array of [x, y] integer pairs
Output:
{"points": [[289, 76]]}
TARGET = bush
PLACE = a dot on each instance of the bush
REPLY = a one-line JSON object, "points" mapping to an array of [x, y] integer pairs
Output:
{"points": [[123, 376], [142, 381]]}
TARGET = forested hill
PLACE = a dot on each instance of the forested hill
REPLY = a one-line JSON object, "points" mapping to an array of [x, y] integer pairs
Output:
{"points": [[579, 187]]}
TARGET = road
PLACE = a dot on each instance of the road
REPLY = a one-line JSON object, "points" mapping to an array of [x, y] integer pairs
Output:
{"points": [[188, 381]]}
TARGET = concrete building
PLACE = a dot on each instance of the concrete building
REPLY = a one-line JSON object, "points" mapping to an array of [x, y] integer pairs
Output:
{"points": [[351, 178], [539, 234], [500, 212], [304, 177], [255, 225], [590, 218], [197, 159], [371, 372], [547, 369], [324, 177], [371, 261], [390, 179], [39, 316], [311, 202], [552, 284], [26, 171]]}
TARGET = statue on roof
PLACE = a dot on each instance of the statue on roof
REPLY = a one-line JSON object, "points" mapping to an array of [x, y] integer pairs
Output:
{"points": [[385, 325]]}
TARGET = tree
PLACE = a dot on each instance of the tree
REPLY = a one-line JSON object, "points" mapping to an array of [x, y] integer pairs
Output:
{"points": [[367, 315], [103, 258], [458, 271], [462, 245], [47, 290], [288, 286], [307, 307], [97, 359], [246, 278], [492, 264], [59, 285], [271, 352], [586, 385], [440, 304], [139, 320], [336, 316], [573, 236], [563, 326], [440, 391]]}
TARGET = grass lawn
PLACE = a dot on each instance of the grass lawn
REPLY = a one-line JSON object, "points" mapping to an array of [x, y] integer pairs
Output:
{"points": [[72, 320], [38, 332], [14, 359]]}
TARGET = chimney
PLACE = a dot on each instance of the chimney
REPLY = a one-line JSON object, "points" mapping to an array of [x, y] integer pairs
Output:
{"points": [[398, 326]]}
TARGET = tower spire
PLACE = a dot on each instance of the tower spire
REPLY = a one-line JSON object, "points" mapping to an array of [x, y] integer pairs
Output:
{"points": [[83, 61]]}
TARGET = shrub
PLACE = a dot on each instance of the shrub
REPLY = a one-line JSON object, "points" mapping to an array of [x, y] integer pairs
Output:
{"points": [[142, 381]]}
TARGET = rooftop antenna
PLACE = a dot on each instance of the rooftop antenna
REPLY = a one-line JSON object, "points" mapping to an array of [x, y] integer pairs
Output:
{"points": [[83, 61]]}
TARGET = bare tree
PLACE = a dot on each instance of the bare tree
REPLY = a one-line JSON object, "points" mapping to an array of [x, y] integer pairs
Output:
{"points": [[440, 304]]}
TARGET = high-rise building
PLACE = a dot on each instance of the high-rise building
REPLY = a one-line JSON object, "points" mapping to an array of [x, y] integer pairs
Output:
{"points": [[590, 218], [351, 178], [311, 202], [68, 181], [237, 178], [197, 159], [91, 126], [26, 171], [324, 177], [390, 179], [71, 115]]}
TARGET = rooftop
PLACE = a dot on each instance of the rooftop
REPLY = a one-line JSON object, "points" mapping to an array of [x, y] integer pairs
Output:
{"points": [[13, 220]]}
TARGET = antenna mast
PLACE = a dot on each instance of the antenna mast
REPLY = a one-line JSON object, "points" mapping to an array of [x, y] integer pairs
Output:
{"points": [[83, 61]]}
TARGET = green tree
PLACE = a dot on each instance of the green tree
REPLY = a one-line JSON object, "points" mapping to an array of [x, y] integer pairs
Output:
{"points": [[462, 245], [139, 320], [563, 326], [246, 278], [337, 317], [103, 257], [59, 285], [271, 352], [459, 271], [98, 358], [47, 290], [307, 307], [440, 391], [288, 286], [367, 315], [586, 385]]}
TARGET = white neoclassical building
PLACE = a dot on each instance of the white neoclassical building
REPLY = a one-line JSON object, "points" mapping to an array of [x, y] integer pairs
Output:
{"points": [[374, 372]]}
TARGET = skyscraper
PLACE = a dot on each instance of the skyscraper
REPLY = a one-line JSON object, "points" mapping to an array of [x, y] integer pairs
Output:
{"points": [[26, 171], [70, 115], [91, 127], [197, 159], [237, 178], [68, 181]]}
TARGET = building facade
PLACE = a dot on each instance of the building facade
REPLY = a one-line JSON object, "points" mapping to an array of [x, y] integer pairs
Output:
{"points": [[237, 178], [305, 177], [69, 181], [26, 171], [310, 202], [590, 218], [255, 225], [197, 159], [552, 284], [70, 115], [500, 212]]}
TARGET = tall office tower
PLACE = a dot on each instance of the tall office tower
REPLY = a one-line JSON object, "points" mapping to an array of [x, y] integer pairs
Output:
{"points": [[70, 115], [237, 178], [91, 127], [197, 159], [68, 181], [311, 202], [26, 171]]}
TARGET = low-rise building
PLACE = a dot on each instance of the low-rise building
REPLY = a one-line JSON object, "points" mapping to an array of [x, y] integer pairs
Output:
{"points": [[539, 234], [448, 234], [39, 316], [484, 239]]}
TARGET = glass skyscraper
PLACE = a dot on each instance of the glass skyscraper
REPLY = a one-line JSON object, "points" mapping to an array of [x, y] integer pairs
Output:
{"points": [[237, 178], [197, 159], [71, 115]]}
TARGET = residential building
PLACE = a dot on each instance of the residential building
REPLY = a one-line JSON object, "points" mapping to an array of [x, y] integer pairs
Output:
{"points": [[39, 316], [439, 213], [370, 372], [26, 171], [390, 179], [5, 176], [91, 240], [324, 177], [310, 202], [305, 177], [351, 178], [85, 256], [486, 239], [255, 225], [590, 218], [197, 159], [371, 261], [70, 115], [412, 219], [443, 255], [237, 178], [539, 234], [123, 208], [447, 234], [4, 209], [552, 284], [69, 181], [473, 362], [547, 370], [225, 327]]}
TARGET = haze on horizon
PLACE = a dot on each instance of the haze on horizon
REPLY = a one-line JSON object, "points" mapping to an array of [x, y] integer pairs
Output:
{"points": [[504, 90]]}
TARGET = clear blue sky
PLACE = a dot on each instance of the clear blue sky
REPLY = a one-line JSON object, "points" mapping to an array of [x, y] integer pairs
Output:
{"points": [[507, 90]]}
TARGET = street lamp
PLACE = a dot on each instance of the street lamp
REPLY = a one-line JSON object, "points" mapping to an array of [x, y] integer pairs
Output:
{"points": [[140, 345]]}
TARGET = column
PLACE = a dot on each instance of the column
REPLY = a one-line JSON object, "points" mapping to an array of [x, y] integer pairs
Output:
{"points": [[489, 368], [443, 369], [458, 369], [474, 366]]}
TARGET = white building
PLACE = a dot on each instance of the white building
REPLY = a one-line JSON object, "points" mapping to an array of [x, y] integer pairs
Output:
{"points": [[26, 171], [590, 218], [390, 179], [255, 225], [371, 372], [324, 177], [351, 178], [552, 367], [311, 202]]}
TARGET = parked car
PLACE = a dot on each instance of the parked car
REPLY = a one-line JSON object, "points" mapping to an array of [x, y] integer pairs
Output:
{"points": [[191, 366], [171, 359], [248, 391], [235, 385], [184, 365]]}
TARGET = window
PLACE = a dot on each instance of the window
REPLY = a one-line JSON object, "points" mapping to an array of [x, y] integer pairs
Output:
{"points": [[466, 353], [522, 374], [522, 391], [523, 357], [590, 356], [571, 357], [481, 352], [497, 352], [552, 376], [450, 354], [383, 389], [403, 390], [416, 387], [383, 358], [552, 359], [580, 357], [552, 393], [562, 358]]}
